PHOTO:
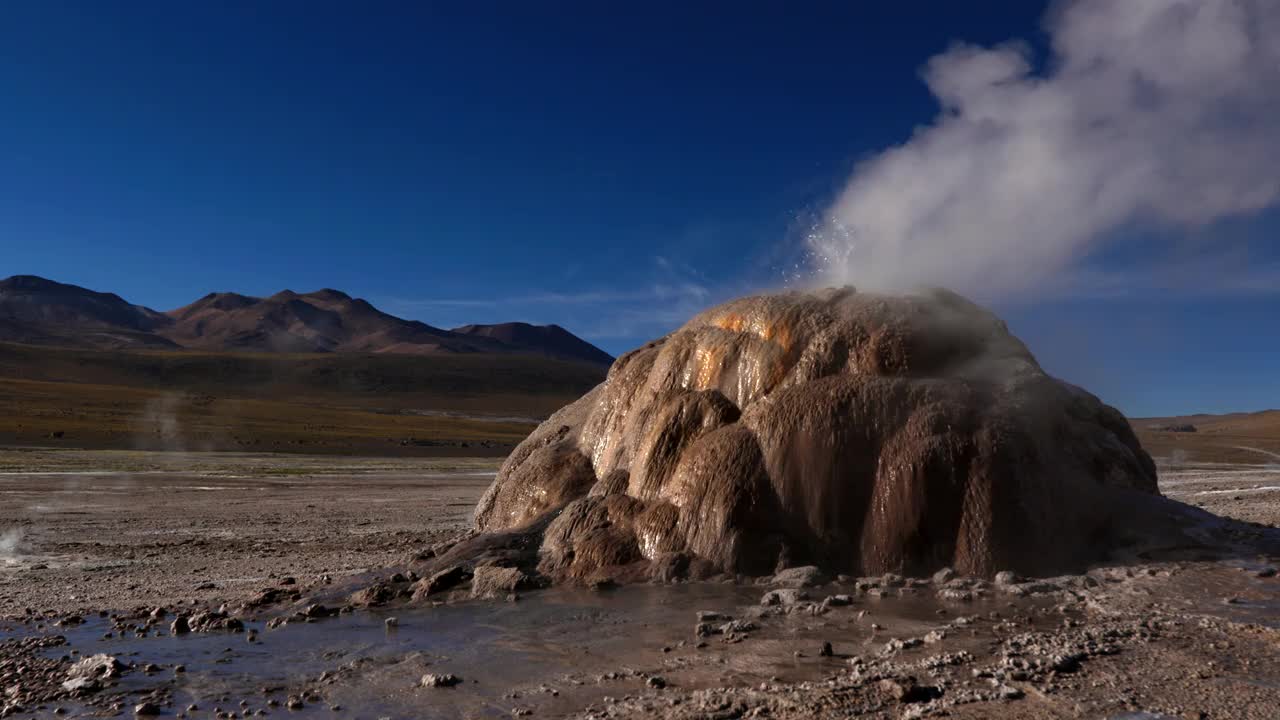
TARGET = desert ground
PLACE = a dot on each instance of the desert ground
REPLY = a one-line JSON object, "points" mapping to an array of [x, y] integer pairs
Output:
{"points": [[103, 550], [329, 404]]}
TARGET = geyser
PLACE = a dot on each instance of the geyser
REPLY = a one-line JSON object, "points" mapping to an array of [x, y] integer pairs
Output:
{"points": [[864, 433]]}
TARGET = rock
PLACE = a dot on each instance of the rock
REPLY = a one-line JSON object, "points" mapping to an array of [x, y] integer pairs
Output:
{"points": [[435, 680], [906, 691], [1005, 578], [786, 596], [88, 674], [146, 709], [376, 595], [656, 682], [1266, 572], [294, 703], [737, 627], [800, 577], [318, 611], [271, 596], [490, 581], [826, 650], [391, 622], [710, 616], [1007, 692], [180, 626], [446, 579], [81, 686], [214, 620], [943, 576], [873, 432], [838, 600], [895, 646]]}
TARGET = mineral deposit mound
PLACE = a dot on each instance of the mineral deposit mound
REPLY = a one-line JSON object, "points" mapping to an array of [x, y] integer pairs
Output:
{"points": [[859, 432]]}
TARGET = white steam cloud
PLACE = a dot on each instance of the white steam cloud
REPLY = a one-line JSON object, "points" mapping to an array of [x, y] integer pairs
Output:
{"points": [[1159, 112]]}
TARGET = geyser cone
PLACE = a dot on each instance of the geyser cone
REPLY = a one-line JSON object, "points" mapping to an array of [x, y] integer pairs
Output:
{"points": [[863, 433]]}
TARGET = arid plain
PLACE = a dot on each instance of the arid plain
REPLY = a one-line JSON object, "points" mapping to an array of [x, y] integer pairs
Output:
{"points": [[87, 563]]}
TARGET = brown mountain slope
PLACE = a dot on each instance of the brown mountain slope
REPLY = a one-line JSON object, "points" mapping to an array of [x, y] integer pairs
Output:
{"points": [[37, 311], [551, 340], [322, 321]]}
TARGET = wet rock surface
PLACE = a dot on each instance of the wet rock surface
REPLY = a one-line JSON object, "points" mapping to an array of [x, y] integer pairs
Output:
{"points": [[853, 432]]}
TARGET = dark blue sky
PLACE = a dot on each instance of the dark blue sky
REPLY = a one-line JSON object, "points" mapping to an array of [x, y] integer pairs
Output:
{"points": [[608, 169]]}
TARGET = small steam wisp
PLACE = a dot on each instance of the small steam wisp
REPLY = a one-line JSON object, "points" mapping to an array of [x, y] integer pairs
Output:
{"points": [[10, 540], [1152, 113]]}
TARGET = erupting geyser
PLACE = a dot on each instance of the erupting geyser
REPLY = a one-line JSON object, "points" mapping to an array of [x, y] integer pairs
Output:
{"points": [[860, 432]]}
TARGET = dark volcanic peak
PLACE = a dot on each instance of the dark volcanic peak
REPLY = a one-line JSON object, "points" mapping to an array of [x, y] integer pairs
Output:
{"points": [[34, 310], [543, 339], [322, 321], [328, 295]]}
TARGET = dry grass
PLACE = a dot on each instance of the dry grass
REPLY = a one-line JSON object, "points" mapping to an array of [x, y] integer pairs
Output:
{"points": [[1240, 438], [360, 404]]}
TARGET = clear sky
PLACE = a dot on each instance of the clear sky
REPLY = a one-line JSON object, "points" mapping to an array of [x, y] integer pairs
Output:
{"points": [[608, 167]]}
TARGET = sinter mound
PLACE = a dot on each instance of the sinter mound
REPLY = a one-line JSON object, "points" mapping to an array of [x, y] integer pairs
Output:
{"points": [[862, 433]]}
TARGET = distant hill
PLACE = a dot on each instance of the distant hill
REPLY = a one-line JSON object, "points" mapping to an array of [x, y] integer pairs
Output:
{"points": [[550, 340], [34, 310], [1252, 438], [37, 311]]}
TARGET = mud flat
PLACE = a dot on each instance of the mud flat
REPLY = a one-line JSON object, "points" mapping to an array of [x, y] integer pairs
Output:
{"points": [[135, 535]]}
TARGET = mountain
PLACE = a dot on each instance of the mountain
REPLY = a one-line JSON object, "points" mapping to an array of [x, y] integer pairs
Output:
{"points": [[37, 311], [551, 340], [34, 310], [322, 321]]}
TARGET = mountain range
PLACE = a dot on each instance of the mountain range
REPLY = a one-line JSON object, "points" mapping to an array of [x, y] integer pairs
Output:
{"points": [[37, 311]]}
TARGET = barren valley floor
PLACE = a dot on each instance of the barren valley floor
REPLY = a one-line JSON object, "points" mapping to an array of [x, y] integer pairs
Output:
{"points": [[130, 532]]}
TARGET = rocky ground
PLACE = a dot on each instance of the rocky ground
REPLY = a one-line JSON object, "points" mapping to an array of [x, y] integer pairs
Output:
{"points": [[151, 592], [86, 530]]}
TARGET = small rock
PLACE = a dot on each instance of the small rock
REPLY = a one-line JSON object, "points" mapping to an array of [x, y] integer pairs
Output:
{"points": [[441, 581], [1008, 692], [1006, 577], [491, 581], [943, 576], [826, 650], [146, 708], [800, 577], [436, 680], [656, 682], [783, 597]]}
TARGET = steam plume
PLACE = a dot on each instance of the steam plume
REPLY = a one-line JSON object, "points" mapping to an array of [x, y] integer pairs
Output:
{"points": [[1152, 112]]}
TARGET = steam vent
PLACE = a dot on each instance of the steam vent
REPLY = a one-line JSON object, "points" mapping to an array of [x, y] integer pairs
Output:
{"points": [[862, 433]]}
